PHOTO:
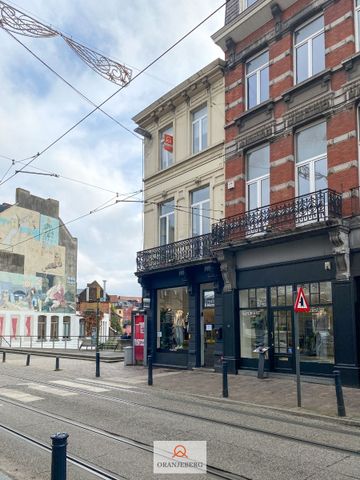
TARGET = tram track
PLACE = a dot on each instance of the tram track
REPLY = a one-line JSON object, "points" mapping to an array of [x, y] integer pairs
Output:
{"points": [[216, 472], [256, 430]]}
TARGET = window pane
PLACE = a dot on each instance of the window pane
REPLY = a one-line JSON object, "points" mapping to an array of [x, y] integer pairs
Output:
{"points": [[325, 292], [167, 207], [171, 228], [258, 163], [257, 62], [204, 128], [311, 142], [252, 196], [250, 2], [199, 113], [321, 174], [265, 192], [289, 295], [166, 147], [200, 195], [309, 29], [261, 297], [318, 54], [172, 319], [251, 91], [302, 68], [273, 293], [253, 331], [316, 335], [196, 137], [205, 219], [304, 179], [264, 84], [195, 222], [163, 235], [244, 301]]}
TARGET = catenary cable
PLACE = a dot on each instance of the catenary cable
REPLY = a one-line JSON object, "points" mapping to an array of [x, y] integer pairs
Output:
{"points": [[72, 86], [54, 142]]}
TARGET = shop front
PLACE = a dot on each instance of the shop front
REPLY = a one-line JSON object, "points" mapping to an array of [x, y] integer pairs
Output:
{"points": [[267, 318], [184, 317]]}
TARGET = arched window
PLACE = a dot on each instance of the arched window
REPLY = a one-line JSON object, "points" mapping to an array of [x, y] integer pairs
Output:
{"points": [[41, 327], [54, 330], [66, 330]]}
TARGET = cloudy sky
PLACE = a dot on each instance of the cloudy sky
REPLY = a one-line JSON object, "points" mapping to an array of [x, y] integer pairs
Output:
{"points": [[37, 107]]}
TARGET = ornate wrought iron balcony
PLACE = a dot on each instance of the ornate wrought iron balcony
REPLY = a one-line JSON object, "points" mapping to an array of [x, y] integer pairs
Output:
{"points": [[306, 209], [184, 251]]}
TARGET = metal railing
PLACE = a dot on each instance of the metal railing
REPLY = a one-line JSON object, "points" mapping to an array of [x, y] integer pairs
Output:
{"points": [[184, 251], [66, 343], [318, 206], [311, 208]]}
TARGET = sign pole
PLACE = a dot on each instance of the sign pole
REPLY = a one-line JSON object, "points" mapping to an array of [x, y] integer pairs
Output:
{"points": [[297, 358], [300, 305]]}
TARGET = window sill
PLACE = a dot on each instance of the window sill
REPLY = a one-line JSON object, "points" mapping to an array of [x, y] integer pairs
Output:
{"points": [[266, 106], [324, 76]]}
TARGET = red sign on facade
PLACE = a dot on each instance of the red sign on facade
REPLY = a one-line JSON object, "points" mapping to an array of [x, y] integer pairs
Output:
{"points": [[301, 304], [139, 336], [168, 142]]}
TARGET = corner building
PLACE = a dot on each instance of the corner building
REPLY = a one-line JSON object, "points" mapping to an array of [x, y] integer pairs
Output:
{"points": [[292, 87]]}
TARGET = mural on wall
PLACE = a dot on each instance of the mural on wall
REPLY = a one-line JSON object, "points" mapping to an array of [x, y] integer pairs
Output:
{"points": [[43, 286]]}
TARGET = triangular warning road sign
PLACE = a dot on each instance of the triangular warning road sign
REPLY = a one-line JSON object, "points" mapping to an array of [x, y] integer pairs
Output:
{"points": [[301, 304]]}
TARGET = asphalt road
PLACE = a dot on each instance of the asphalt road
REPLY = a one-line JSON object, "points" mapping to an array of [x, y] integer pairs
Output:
{"points": [[112, 422]]}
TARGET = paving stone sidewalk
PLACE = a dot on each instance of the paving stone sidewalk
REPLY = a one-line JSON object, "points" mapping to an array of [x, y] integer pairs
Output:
{"points": [[318, 395]]}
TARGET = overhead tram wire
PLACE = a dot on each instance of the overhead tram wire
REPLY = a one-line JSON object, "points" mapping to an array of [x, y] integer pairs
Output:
{"points": [[72, 86], [70, 179], [117, 91]]}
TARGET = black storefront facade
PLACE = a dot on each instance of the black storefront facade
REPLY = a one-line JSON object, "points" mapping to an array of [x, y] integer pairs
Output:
{"points": [[248, 283], [183, 288]]}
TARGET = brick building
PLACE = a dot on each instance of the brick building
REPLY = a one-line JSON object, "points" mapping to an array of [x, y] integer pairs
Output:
{"points": [[292, 87]]}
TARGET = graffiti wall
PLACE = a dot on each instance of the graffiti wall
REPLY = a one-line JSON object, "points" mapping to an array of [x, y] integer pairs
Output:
{"points": [[43, 285]]}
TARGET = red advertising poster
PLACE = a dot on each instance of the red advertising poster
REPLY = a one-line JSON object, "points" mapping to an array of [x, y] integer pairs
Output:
{"points": [[139, 337], [14, 324], [1, 326], [168, 142], [28, 326]]}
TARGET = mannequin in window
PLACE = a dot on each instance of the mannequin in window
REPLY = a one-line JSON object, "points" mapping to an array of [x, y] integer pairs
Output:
{"points": [[179, 325]]}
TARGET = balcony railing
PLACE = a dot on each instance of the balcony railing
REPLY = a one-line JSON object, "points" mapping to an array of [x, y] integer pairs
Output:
{"points": [[184, 251], [275, 218], [305, 209]]}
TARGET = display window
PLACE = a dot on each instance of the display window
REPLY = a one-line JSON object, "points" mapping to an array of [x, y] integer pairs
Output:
{"points": [[253, 321], [173, 319], [316, 328]]}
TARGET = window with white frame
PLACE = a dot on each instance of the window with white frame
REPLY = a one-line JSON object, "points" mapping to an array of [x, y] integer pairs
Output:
{"points": [[357, 23], [257, 79], [167, 222], [200, 211], [311, 159], [166, 147], [199, 130], [309, 42], [258, 178]]}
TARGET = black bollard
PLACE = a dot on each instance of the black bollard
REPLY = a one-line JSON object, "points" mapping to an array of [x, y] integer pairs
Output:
{"points": [[58, 458], [261, 365], [28, 359], [57, 364], [225, 380], [339, 394], [150, 370], [4, 356], [97, 361]]}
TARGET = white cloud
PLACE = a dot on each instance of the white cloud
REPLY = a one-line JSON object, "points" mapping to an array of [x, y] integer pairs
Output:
{"points": [[36, 107]]}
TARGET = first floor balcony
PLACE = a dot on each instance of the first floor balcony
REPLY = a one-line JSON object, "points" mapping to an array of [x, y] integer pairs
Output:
{"points": [[184, 251], [287, 216]]}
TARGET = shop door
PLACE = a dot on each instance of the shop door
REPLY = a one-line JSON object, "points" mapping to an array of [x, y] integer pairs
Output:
{"points": [[208, 327], [282, 351]]}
